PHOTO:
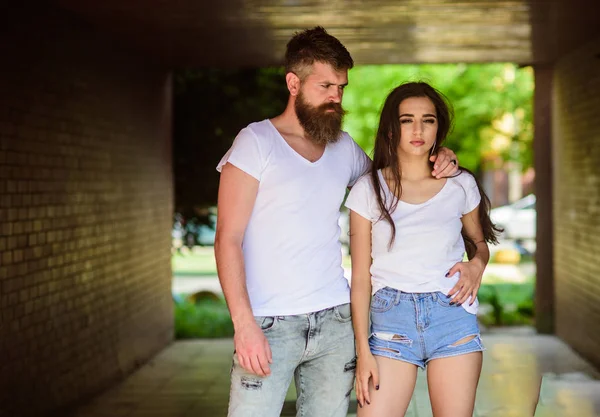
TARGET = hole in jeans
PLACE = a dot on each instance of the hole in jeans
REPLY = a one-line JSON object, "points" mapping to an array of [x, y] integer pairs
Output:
{"points": [[251, 383], [350, 366], [393, 337], [387, 350], [464, 340]]}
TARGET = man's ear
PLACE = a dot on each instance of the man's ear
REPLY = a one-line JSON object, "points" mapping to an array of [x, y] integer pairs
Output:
{"points": [[293, 83]]}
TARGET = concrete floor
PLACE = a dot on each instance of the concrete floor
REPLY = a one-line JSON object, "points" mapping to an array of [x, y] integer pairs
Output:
{"points": [[191, 379]]}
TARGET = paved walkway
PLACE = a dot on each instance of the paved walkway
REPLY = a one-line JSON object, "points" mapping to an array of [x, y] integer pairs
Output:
{"points": [[191, 379]]}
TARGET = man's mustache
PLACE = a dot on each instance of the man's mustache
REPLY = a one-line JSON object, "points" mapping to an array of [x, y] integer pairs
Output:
{"points": [[337, 107]]}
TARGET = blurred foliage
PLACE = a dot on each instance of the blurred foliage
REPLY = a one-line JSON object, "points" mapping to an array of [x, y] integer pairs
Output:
{"points": [[210, 107], [511, 303], [481, 95], [205, 319]]}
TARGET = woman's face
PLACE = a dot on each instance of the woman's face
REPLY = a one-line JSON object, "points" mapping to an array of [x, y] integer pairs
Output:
{"points": [[418, 126]]}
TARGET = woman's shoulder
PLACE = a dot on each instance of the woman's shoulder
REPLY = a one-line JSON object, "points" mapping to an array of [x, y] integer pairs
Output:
{"points": [[464, 179], [365, 181]]}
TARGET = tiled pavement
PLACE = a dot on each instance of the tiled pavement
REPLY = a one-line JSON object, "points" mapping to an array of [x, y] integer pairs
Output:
{"points": [[191, 379]]}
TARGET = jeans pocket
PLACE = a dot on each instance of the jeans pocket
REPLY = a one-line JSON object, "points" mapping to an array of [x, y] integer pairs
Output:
{"points": [[382, 301], [343, 313], [444, 300], [266, 323]]}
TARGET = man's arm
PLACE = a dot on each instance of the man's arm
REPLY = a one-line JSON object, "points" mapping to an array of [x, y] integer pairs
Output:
{"points": [[237, 195]]}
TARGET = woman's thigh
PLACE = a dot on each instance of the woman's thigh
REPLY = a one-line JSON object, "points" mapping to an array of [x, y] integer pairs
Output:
{"points": [[453, 383], [396, 385]]}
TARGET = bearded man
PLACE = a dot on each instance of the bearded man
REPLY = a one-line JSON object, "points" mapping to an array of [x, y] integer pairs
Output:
{"points": [[277, 246]]}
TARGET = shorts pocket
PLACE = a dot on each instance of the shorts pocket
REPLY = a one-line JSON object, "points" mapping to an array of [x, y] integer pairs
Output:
{"points": [[382, 301], [444, 300]]}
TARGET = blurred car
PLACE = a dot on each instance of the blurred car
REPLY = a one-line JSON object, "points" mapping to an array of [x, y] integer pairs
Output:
{"points": [[517, 219]]}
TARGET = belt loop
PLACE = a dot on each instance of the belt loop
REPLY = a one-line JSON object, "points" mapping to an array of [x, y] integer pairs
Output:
{"points": [[397, 300]]}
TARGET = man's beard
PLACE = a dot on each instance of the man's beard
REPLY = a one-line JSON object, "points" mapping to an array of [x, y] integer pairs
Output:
{"points": [[321, 126]]}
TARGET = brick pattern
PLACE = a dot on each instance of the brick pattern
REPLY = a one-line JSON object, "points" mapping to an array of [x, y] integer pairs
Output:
{"points": [[576, 142], [85, 213]]}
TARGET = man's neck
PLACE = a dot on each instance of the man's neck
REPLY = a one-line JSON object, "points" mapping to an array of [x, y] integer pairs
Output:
{"points": [[287, 123]]}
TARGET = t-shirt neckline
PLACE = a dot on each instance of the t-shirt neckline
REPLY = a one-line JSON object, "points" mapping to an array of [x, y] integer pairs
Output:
{"points": [[293, 151], [389, 192]]}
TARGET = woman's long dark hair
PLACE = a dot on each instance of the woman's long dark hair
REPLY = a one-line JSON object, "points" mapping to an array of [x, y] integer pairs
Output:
{"points": [[385, 155]]}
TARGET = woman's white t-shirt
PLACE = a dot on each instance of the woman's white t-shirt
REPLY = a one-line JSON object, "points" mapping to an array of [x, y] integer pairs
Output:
{"points": [[428, 240]]}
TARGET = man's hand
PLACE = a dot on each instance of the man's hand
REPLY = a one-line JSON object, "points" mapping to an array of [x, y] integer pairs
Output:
{"points": [[469, 282], [253, 350], [445, 163]]}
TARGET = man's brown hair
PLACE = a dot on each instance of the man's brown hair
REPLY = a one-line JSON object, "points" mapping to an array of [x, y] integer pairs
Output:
{"points": [[315, 45]]}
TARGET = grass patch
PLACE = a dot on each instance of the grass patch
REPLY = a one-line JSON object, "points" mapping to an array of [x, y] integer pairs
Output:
{"points": [[204, 319], [199, 261]]}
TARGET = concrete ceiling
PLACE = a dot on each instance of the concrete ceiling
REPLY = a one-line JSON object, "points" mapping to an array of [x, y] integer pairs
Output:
{"points": [[184, 33]]}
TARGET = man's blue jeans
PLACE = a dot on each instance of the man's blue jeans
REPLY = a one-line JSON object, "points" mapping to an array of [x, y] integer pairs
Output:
{"points": [[317, 349]]}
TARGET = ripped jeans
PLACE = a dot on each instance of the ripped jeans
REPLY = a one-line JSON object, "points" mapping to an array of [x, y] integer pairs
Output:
{"points": [[420, 327], [317, 350]]}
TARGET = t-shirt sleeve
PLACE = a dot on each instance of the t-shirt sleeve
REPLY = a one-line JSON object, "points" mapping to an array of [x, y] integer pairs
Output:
{"points": [[360, 163], [472, 192], [360, 198], [246, 154]]}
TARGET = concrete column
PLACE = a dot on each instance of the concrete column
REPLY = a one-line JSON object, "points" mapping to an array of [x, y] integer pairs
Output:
{"points": [[542, 147]]}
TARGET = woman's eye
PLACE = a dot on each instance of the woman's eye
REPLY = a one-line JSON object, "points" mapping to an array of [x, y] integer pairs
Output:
{"points": [[404, 121], [430, 121]]}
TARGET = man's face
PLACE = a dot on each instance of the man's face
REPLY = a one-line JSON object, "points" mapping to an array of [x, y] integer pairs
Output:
{"points": [[318, 103]]}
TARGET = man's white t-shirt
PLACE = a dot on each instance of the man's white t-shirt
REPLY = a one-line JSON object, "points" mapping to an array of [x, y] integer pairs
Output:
{"points": [[428, 240], [291, 247]]}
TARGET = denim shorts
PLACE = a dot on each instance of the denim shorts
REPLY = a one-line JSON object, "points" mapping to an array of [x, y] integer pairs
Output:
{"points": [[419, 327]]}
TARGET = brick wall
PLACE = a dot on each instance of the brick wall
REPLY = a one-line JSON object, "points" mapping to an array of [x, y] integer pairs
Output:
{"points": [[576, 143], [85, 212]]}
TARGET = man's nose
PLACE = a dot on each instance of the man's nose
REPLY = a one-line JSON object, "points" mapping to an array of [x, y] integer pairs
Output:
{"points": [[336, 95]]}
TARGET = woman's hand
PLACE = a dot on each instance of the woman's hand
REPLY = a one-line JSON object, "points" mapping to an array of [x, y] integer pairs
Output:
{"points": [[366, 369], [469, 282]]}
